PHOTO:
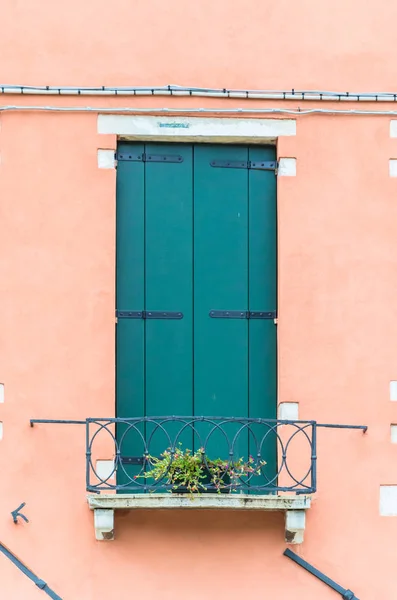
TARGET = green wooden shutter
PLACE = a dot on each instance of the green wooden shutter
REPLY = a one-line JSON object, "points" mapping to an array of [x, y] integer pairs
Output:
{"points": [[194, 238]]}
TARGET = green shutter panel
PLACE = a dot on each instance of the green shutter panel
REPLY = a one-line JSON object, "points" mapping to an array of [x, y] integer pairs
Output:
{"points": [[130, 277], [193, 238], [220, 283], [263, 296], [169, 287]]}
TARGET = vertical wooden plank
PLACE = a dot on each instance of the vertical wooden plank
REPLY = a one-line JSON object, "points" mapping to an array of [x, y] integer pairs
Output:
{"points": [[220, 283], [130, 389], [263, 297], [168, 248]]}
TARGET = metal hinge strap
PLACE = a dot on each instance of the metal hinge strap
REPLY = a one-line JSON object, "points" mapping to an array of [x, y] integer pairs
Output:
{"points": [[242, 314], [258, 165], [132, 460], [148, 314], [143, 157]]}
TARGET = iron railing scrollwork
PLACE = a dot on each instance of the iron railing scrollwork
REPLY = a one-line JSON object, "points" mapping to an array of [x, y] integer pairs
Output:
{"points": [[281, 454]]}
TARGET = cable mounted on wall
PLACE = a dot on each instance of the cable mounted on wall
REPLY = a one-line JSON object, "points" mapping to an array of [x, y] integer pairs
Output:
{"points": [[197, 111], [202, 92]]}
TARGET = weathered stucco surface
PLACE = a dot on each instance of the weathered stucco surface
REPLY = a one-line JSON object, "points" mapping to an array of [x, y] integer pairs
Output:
{"points": [[337, 292]]}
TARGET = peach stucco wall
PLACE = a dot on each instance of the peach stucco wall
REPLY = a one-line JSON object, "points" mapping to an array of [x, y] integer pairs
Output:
{"points": [[337, 292]]}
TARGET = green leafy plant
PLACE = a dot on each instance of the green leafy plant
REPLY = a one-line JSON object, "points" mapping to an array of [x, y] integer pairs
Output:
{"points": [[193, 472]]}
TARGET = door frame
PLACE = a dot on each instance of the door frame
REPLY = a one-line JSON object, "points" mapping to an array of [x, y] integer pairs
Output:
{"points": [[279, 132]]}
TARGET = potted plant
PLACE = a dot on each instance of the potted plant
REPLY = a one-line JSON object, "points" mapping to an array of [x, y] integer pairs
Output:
{"points": [[192, 472]]}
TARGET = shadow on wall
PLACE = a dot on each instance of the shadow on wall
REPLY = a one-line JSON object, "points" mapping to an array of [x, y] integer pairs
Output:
{"points": [[206, 524]]}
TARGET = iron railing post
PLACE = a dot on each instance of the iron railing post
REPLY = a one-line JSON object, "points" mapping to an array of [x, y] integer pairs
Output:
{"points": [[314, 457]]}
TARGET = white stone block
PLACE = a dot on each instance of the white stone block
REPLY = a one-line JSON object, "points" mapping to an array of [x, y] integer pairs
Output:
{"points": [[105, 469], [393, 391], [288, 411], [393, 434], [393, 128], [388, 501], [393, 167], [1, 392], [104, 524], [287, 167], [106, 159], [295, 522]]}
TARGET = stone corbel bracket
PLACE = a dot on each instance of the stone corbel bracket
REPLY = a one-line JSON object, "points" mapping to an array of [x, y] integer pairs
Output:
{"points": [[294, 507]]}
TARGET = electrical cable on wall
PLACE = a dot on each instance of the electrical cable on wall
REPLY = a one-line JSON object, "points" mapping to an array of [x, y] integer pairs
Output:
{"points": [[194, 111], [180, 90]]}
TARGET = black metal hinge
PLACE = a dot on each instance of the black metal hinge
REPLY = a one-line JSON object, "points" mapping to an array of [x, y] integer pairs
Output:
{"points": [[242, 314], [346, 594], [148, 314], [132, 460], [143, 157], [258, 165]]}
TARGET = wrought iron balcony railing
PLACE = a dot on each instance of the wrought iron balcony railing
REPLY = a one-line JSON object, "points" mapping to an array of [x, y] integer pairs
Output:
{"points": [[230, 455]]}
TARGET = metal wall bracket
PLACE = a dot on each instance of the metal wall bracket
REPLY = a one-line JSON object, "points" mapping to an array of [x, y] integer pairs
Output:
{"points": [[148, 314], [258, 165], [346, 594], [143, 157], [40, 583], [242, 314], [17, 513]]}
